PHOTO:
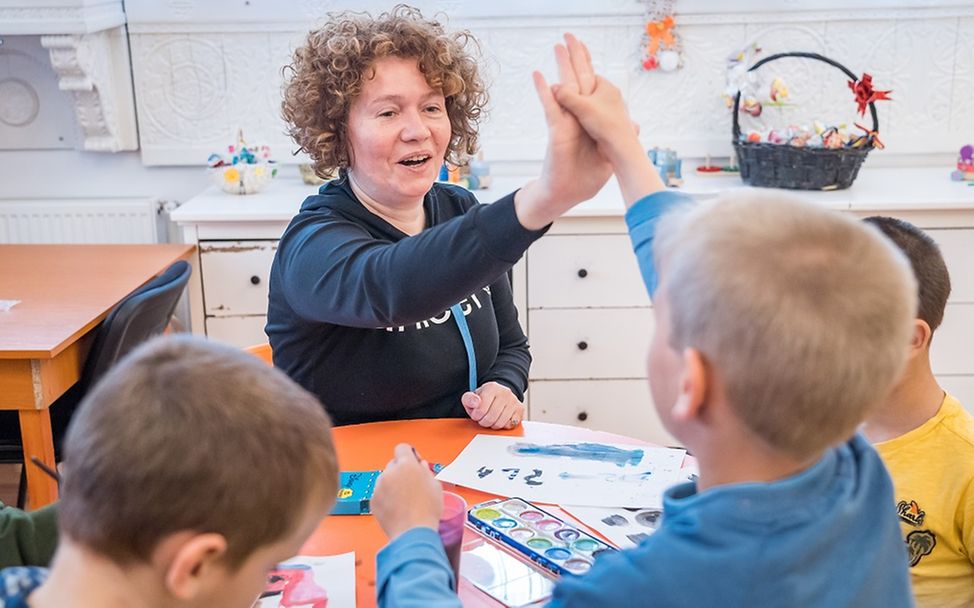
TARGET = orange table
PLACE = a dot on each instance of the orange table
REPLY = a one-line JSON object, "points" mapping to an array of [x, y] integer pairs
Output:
{"points": [[366, 447], [65, 291]]}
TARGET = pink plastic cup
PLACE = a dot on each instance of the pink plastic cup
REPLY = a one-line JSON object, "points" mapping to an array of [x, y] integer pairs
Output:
{"points": [[451, 529]]}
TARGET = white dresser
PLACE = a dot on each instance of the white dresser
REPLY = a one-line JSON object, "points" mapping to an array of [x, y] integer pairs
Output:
{"points": [[581, 299]]}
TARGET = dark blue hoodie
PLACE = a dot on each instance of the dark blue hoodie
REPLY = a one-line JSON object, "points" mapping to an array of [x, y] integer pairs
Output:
{"points": [[358, 311]]}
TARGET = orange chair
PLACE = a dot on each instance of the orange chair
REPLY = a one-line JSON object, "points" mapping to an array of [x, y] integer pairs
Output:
{"points": [[262, 352]]}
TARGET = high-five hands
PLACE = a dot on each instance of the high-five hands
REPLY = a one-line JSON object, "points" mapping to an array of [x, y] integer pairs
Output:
{"points": [[574, 170]]}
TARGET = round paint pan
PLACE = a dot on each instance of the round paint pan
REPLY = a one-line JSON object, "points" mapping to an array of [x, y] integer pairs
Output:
{"points": [[585, 545], [547, 525], [504, 523], [567, 534], [521, 533], [558, 554], [487, 514], [577, 566], [515, 507], [539, 543], [531, 515]]}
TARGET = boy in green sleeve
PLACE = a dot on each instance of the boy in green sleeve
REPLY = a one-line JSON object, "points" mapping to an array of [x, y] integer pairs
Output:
{"points": [[27, 538]]}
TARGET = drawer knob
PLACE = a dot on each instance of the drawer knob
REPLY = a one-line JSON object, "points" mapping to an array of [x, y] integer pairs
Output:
{"points": [[582, 273], [582, 416], [582, 345], [255, 280]]}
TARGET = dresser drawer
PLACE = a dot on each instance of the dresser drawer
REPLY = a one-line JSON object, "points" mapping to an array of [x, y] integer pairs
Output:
{"points": [[590, 343], [577, 271], [957, 247], [235, 276], [618, 406], [952, 349], [237, 331], [961, 387]]}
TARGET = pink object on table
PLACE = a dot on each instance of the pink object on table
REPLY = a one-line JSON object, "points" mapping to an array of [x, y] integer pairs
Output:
{"points": [[451, 529]]}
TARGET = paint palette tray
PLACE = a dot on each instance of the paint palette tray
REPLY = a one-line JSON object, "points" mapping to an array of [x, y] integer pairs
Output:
{"points": [[538, 535]]}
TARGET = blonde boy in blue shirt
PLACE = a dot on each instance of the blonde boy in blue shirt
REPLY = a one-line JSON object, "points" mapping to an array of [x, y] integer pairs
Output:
{"points": [[778, 326]]}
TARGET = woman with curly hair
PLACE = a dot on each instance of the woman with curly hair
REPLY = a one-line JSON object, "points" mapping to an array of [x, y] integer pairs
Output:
{"points": [[389, 295]]}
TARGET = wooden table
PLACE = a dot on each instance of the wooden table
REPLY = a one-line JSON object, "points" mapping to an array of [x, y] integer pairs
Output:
{"points": [[65, 291], [365, 447]]}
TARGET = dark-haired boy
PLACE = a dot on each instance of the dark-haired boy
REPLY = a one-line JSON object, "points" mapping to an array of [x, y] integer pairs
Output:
{"points": [[926, 439], [192, 469]]}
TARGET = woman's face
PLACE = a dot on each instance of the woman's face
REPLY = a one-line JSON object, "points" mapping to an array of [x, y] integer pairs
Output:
{"points": [[398, 131]]}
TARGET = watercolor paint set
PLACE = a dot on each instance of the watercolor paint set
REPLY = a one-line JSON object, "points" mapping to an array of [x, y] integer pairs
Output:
{"points": [[538, 535], [355, 492]]}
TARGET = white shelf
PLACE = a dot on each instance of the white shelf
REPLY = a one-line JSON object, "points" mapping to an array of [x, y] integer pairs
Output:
{"points": [[900, 189]]}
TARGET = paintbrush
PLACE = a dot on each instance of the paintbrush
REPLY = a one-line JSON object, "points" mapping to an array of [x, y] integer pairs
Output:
{"points": [[51, 472]]}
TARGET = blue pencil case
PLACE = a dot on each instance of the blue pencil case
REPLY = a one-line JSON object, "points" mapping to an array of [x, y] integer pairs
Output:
{"points": [[543, 538]]}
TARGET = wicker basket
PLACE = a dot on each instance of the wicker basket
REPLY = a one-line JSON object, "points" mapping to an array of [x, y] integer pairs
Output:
{"points": [[800, 168]]}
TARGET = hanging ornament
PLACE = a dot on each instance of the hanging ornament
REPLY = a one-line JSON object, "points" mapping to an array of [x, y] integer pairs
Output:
{"points": [[661, 47], [739, 79]]}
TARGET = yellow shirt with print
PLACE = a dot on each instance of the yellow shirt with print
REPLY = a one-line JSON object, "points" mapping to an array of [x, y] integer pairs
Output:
{"points": [[932, 468]]}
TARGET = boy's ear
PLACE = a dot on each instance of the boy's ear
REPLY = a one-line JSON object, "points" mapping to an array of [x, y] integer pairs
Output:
{"points": [[192, 560], [694, 384], [921, 337]]}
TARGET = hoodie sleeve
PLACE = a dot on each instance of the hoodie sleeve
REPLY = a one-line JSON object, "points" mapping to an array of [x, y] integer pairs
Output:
{"points": [[336, 272]]}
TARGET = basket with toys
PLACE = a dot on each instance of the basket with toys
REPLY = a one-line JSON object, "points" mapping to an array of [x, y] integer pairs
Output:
{"points": [[803, 159]]}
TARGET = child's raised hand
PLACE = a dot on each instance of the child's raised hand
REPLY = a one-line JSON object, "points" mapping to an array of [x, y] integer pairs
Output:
{"points": [[407, 495], [599, 108], [574, 170]]}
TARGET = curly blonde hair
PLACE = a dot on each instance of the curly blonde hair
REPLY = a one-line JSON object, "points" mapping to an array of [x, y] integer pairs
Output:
{"points": [[327, 73]]}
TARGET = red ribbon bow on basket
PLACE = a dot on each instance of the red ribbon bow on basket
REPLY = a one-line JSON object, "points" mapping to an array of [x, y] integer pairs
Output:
{"points": [[865, 94]]}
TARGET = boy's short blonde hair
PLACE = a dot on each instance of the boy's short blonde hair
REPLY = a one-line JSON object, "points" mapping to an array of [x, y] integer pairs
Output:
{"points": [[805, 314], [185, 434]]}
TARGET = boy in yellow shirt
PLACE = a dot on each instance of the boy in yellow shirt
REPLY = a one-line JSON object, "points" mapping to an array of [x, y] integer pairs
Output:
{"points": [[926, 439]]}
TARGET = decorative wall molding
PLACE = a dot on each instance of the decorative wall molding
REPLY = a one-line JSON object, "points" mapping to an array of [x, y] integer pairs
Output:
{"points": [[94, 68], [195, 89], [37, 17]]}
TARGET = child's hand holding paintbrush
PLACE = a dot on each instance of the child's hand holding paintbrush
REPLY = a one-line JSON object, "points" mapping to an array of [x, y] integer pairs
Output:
{"points": [[406, 494]]}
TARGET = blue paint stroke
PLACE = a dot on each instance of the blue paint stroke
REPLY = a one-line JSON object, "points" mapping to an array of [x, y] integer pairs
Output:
{"points": [[580, 451], [610, 477]]}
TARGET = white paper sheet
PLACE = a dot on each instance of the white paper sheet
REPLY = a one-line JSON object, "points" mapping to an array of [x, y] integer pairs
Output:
{"points": [[566, 473], [312, 582], [627, 527]]}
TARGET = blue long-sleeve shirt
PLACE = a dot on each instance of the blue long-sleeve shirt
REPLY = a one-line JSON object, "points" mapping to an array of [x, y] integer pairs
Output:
{"points": [[827, 536]]}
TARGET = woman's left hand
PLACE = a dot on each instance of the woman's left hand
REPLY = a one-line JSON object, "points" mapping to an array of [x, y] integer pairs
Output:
{"points": [[494, 406]]}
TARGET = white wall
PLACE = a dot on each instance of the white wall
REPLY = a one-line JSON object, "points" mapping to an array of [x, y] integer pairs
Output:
{"points": [[204, 69]]}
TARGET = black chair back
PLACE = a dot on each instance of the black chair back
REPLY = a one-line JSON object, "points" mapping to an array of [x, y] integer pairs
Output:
{"points": [[143, 314]]}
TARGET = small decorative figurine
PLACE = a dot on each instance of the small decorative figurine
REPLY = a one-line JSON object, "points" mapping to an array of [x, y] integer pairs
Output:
{"points": [[244, 169], [965, 165], [669, 166]]}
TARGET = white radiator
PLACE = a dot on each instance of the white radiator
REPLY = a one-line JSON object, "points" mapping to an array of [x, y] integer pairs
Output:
{"points": [[104, 220]]}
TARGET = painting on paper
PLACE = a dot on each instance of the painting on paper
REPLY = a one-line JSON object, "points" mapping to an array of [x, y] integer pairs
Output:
{"points": [[566, 473], [311, 582]]}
